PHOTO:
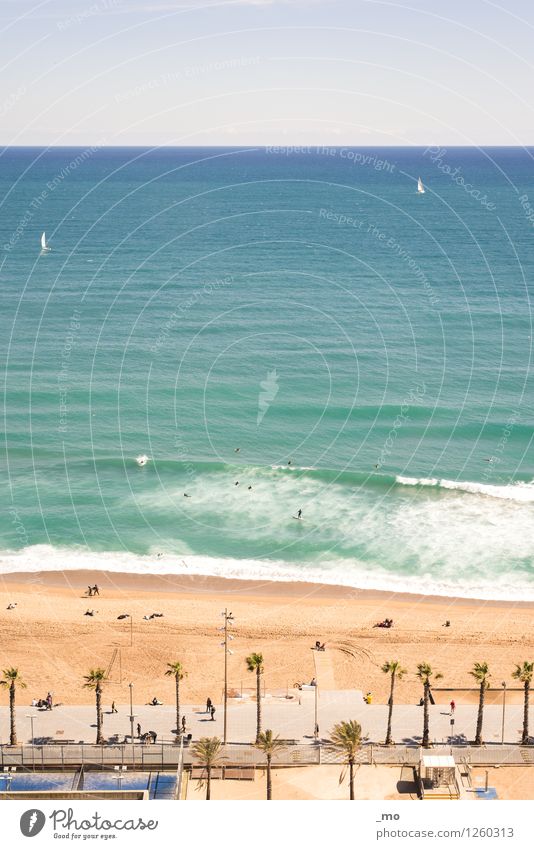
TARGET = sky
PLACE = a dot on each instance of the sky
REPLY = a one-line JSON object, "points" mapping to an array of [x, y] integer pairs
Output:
{"points": [[266, 72]]}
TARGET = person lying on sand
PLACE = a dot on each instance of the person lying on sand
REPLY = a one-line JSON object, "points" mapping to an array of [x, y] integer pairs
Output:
{"points": [[155, 701], [90, 612], [12, 605]]}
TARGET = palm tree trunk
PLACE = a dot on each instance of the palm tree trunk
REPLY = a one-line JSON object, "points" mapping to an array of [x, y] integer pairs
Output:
{"points": [[258, 704], [480, 717], [12, 720], [99, 735], [351, 778], [390, 711], [178, 729], [269, 780], [525, 737], [208, 783], [426, 729]]}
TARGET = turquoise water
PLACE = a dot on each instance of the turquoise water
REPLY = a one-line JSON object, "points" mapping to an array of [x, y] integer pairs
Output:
{"points": [[305, 306]]}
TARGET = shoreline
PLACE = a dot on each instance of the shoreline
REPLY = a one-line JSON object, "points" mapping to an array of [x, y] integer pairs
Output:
{"points": [[211, 585]]}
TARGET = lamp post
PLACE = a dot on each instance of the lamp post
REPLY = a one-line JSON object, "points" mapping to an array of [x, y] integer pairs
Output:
{"points": [[228, 617], [503, 685], [132, 717], [31, 717], [316, 700], [316, 722]]}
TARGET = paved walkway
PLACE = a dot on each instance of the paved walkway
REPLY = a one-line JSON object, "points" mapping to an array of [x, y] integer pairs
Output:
{"points": [[290, 718]]}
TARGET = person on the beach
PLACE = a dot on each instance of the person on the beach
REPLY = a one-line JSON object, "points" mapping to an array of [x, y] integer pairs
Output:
{"points": [[453, 706], [49, 701], [183, 724], [139, 729], [89, 591], [212, 711], [208, 705], [96, 591], [113, 708]]}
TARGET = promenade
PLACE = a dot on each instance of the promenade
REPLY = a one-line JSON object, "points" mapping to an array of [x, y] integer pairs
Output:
{"points": [[292, 719]]}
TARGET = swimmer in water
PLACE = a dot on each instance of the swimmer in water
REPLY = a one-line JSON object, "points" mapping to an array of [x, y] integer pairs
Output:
{"points": [[186, 495]]}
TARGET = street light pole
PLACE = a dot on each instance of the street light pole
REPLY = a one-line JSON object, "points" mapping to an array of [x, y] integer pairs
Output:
{"points": [[316, 724], [132, 717], [503, 685], [227, 618]]}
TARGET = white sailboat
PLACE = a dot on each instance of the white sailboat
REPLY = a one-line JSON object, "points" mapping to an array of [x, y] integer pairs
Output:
{"points": [[44, 246], [420, 187]]}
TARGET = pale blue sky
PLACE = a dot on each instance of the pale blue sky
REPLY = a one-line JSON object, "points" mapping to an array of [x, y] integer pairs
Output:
{"points": [[293, 72]]}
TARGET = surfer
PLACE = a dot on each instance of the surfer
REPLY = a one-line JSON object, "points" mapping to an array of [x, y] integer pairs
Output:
{"points": [[186, 495], [299, 514]]}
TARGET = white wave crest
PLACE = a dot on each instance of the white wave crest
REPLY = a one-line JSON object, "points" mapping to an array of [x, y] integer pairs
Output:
{"points": [[523, 492]]}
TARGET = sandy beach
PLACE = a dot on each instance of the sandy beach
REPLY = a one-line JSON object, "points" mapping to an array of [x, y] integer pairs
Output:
{"points": [[53, 643]]}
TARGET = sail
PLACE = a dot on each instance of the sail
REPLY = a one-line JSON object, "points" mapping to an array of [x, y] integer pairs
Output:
{"points": [[420, 187], [43, 242]]}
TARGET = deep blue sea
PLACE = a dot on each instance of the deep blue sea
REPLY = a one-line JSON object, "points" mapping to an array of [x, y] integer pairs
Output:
{"points": [[367, 348]]}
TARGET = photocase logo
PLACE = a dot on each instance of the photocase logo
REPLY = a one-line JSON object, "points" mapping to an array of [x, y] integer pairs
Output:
{"points": [[269, 390], [32, 822]]}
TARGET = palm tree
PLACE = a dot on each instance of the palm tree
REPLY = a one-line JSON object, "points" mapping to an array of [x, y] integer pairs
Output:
{"points": [[255, 664], [524, 672], [395, 670], [425, 673], [480, 673], [269, 745], [346, 738], [12, 680], [94, 681], [208, 750], [177, 671]]}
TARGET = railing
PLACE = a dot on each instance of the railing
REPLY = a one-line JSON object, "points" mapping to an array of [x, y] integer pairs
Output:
{"points": [[166, 756]]}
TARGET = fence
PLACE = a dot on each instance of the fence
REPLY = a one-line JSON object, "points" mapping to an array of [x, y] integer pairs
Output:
{"points": [[68, 756]]}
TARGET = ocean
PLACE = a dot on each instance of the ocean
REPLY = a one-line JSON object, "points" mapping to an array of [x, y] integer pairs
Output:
{"points": [[277, 330]]}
